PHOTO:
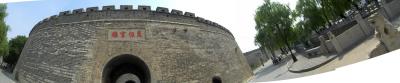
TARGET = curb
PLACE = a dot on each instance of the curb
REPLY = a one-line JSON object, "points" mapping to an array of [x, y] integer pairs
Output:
{"points": [[312, 68]]}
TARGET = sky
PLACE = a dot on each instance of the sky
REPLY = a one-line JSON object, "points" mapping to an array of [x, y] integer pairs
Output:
{"points": [[235, 15]]}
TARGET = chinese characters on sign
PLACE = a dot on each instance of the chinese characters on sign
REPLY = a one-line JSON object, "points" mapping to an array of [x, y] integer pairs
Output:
{"points": [[126, 35]]}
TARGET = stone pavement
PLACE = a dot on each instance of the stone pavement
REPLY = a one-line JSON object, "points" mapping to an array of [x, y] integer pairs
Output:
{"points": [[369, 48], [268, 71], [305, 64], [360, 52], [271, 72], [4, 77]]}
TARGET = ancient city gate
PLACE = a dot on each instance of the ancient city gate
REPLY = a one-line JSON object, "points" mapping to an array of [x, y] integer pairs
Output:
{"points": [[130, 45]]}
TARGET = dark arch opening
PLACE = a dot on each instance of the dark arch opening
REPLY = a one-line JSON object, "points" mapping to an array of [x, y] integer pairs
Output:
{"points": [[124, 64], [130, 81], [216, 79]]}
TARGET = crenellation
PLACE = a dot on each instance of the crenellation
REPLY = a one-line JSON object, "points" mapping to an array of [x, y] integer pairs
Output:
{"points": [[65, 13], [78, 11], [189, 14], [40, 22], [91, 14], [46, 19], [126, 7], [107, 8], [177, 12], [37, 25], [216, 24], [162, 10], [207, 21], [53, 17], [92, 9], [220, 25], [144, 8], [200, 19], [212, 23]]}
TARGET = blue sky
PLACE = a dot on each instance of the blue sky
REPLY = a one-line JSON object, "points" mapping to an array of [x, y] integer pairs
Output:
{"points": [[22, 16], [236, 15]]}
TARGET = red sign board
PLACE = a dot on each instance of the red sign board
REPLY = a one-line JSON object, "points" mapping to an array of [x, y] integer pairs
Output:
{"points": [[126, 35]]}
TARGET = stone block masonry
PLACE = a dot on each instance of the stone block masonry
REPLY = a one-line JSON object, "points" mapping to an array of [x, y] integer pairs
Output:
{"points": [[390, 9], [104, 45]]}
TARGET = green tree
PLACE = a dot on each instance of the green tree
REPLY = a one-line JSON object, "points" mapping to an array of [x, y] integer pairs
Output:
{"points": [[3, 31], [15, 49], [265, 42], [313, 17], [274, 22], [336, 8], [315, 14]]}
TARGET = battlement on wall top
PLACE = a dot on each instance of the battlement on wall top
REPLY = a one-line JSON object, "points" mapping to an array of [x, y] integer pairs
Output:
{"points": [[162, 10], [129, 8]]}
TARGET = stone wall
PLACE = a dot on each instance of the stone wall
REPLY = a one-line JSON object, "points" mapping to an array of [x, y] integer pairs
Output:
{"points": [[351, 36], [175, 46], [388, 34], [390, 9], [256, 58]]}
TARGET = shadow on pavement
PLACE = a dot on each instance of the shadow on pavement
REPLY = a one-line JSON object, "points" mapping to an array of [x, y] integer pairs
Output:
{"points": [[379, 50], [271, 68], [352, 47]]}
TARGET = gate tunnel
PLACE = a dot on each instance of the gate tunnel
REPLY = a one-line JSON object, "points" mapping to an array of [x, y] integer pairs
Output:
{"points": [[126, 69]]}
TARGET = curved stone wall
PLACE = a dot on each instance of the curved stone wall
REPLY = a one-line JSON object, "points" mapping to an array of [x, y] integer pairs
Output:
{"points": [[175, 46]]}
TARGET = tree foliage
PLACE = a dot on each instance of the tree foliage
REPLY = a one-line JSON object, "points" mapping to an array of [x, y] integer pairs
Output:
{"points": [[16, 46], [312, 15], [274, 26], [316, 14], [275, 22], [335, 8], [3, 31]]}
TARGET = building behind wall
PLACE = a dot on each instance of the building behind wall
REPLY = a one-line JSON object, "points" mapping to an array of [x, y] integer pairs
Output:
{"points": [[256, 58]]}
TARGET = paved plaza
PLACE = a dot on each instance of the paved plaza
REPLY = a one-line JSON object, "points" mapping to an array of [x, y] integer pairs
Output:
{"points": [[4, 77], [360, 52]]}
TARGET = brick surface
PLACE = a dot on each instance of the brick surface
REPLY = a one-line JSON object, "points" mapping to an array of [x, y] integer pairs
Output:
{"points": [[176, 48]]}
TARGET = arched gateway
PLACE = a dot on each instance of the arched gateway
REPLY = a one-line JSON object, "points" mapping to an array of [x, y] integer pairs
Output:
{"points": [[129, 45], [126, 68]]}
